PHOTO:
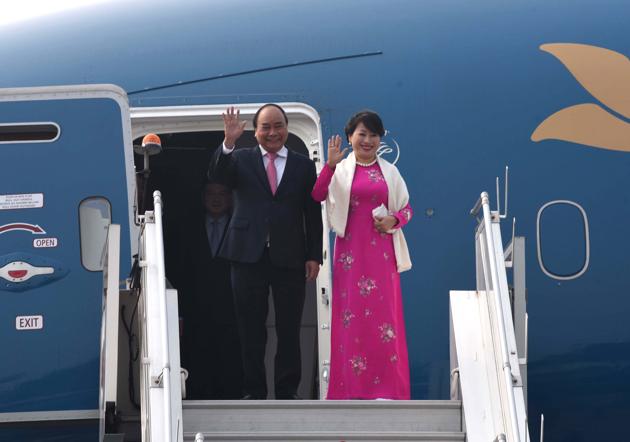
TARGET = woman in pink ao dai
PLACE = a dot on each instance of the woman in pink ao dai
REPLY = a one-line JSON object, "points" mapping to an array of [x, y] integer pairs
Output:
{"points": [[368, 344]]}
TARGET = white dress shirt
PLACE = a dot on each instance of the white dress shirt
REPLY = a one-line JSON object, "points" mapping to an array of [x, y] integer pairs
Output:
{"points": [[280, 162]]}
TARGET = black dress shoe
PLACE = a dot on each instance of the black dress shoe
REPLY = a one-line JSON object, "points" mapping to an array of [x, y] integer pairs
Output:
{"points": [[252, 397], [290, 397]]}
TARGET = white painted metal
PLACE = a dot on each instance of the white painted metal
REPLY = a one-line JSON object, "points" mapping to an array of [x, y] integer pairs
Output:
{"points": [[110, 323], [175, 399], [504, 215], [507, 359], [304, 122], [520, 306], [486, 350], [164, 377], [160, 371], [480, 394], [111, 279]]}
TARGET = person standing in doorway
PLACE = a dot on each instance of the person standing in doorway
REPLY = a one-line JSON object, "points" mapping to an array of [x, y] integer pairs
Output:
{"points": [[367, 205], [210, 343], [274, 241]]}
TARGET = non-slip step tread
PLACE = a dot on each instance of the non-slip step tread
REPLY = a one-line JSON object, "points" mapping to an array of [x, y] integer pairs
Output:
{"points": [[350, 404], [332, 436], [253, 417]]}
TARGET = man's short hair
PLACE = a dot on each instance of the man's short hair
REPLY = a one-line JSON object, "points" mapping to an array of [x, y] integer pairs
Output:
{"points": [[286, 119]]}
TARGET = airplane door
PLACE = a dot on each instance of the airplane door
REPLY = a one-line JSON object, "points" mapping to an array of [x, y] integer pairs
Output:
{"points": [[66, 173]]}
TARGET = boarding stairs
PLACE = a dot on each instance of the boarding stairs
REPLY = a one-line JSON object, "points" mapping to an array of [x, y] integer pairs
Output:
{"points": [[489, 332], [316, 420], [166, 416]]}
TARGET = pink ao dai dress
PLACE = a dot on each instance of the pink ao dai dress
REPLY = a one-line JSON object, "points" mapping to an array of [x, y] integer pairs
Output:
{"points": [[368, 344]]}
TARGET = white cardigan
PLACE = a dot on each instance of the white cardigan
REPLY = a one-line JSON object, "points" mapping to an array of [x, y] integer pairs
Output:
{"points": [[338, 202]]}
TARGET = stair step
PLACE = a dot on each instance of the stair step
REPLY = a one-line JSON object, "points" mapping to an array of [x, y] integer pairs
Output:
{"points": [[327, 436], [312, 416]]}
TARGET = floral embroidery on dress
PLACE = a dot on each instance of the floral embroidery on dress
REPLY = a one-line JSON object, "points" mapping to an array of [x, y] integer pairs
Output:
{"points": [[367, 313], [366, 286], [375, 175], [377, 380], [393, 358], [347, 317], [358, 364], [354, 202], [386, 256], [381, 234], [373, 241], [346, 260], [387, 332]]}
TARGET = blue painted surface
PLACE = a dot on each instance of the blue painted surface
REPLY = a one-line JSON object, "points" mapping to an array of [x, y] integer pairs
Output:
{"points": [[57, 367], [461, 85], [85, 431]]}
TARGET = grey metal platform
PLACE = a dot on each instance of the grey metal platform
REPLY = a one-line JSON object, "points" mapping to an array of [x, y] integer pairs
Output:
{"points": [[312, 420]]}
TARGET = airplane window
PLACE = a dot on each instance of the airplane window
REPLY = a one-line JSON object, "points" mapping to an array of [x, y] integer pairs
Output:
{"points": [[95, 216], [29, 132], [562, 239]]}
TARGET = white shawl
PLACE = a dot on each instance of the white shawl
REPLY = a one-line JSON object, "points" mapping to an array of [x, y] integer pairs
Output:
{"points": [[338, 202]]}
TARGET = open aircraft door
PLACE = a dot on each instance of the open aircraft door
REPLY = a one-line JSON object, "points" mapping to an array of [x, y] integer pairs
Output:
{"points": [[66, 174]]}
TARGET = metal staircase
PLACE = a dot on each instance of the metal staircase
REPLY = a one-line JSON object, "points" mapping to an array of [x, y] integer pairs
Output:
{"points": [[487, 404], [484, 352], [165, 417], [313, 420]]}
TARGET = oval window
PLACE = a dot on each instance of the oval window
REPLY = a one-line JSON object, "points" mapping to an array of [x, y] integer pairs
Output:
{"points": [[562, 239], [95, 216], [29, 132]]}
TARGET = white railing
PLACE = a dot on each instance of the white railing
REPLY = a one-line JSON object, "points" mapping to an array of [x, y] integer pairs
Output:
{"points": [[109, 324], [492, 278], [161, 402]]}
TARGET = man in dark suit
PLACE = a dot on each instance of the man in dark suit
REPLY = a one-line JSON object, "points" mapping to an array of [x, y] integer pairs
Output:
{"points": [[210, 350], [274, 240]]}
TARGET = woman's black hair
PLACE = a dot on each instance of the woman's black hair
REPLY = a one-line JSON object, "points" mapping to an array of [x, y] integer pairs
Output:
{"points": [[370, 120]]}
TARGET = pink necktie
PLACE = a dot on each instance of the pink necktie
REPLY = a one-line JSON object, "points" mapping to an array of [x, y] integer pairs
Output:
{"points": [[272, 175]]}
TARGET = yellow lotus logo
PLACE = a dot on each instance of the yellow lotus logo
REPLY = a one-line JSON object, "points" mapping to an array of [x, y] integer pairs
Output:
{"points": [[606, 75]]}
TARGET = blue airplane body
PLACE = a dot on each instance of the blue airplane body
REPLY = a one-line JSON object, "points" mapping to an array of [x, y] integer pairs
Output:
{"points": [[461, 87]]}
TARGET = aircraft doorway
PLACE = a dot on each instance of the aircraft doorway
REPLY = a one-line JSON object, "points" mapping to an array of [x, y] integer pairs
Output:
{"points": [[179, 172]]}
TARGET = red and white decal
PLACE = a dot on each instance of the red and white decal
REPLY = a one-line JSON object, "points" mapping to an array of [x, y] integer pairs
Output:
{"points": [[33, 228], [20, 271]]}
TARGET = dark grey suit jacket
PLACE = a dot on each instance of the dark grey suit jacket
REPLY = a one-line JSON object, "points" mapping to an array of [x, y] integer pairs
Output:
{"points": [[291, 219]]}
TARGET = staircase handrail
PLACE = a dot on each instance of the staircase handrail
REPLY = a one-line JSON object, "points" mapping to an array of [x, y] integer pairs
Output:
{"points": [[490, 250], [154, 295], [161, 275]]}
